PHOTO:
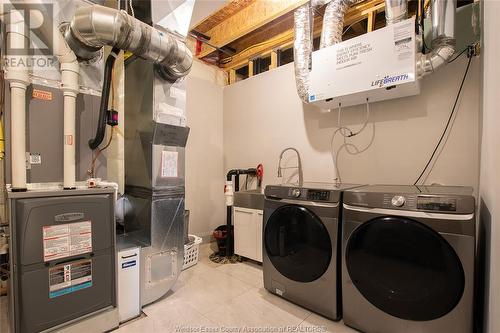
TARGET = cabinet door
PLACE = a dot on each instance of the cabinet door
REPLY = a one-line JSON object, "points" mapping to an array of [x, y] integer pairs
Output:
{"points": [[259, 220], [244, 232]]}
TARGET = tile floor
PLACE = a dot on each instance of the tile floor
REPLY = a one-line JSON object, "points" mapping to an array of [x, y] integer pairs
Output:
{"points": [[220, 298], [211, 297]]}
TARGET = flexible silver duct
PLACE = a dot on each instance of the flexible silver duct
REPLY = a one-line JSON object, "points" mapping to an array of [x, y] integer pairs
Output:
{"points": [[96, 26], [443, 37], [302, 49], [333, 21], [395, 11]]}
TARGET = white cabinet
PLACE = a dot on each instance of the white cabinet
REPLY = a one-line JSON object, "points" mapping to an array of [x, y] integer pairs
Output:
{"points": [[248, 232]]}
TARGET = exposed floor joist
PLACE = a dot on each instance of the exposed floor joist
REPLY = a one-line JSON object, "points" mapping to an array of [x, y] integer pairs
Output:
{"points": [[252, 16]]}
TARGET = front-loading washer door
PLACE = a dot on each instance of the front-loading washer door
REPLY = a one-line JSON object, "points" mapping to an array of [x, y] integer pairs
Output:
{"points": [[405, 268], [297, 243]]}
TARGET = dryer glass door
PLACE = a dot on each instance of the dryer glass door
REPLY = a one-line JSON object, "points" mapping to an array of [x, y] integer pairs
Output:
{"points": [[297, 243], [405, 268]]}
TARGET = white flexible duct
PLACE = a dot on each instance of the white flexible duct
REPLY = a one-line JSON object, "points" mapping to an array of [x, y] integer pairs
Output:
{"points": [[18, 78], [96, 26], [69, 79]]}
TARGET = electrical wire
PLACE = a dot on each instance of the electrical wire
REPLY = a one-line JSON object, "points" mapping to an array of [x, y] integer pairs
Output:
{"points": [[91, 170], [453, 110], [131, 8], [458, 55], [346, 132]]}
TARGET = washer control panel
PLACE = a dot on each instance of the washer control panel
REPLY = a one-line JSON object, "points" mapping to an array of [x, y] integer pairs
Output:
{"points": [[420, 202], [309, 194]]}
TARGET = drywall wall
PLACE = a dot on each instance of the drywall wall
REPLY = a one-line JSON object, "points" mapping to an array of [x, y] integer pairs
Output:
{"points": [[204, 151], [489, 229], [263, 115]]}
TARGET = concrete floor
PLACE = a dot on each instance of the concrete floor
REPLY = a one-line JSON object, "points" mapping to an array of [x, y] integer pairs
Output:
{"points": [[211, 297]]}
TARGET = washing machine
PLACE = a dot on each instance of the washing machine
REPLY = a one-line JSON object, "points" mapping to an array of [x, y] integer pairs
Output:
{"points": [[408, 259], [301, 245]]}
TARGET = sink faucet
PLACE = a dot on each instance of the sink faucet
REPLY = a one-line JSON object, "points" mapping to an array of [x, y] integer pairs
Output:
{"points": [[298, 167]]}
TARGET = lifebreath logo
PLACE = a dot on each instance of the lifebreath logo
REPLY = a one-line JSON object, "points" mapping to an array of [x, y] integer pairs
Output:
{"points": [[27, 26]]}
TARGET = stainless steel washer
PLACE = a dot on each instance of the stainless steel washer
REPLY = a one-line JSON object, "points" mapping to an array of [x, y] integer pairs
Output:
{"points": [[301, 245], [408, 259]]}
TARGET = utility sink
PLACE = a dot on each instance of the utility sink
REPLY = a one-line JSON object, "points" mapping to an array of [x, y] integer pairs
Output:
{"points": [[253, 199]]}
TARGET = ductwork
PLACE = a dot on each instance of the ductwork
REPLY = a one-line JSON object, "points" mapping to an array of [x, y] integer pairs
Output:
{"points": [[333, 21], [443, 37], [96, 26], [395, 11], [333, 24]]}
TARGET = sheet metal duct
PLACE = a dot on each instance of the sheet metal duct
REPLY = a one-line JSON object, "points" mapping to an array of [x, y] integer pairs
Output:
{"points": [[395, 11], [96, 26]]}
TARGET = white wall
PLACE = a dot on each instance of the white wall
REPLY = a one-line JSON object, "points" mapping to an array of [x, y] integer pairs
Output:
{"points": [[263, 115], [204, 151], [489, 231]]}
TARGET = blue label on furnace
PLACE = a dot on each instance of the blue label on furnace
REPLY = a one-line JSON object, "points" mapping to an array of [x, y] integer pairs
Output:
{"points": [[69, 290], [129, 264]]}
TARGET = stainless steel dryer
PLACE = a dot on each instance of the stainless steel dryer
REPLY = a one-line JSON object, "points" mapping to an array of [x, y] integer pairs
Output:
{"points": [[301, 245], [408, 259]]}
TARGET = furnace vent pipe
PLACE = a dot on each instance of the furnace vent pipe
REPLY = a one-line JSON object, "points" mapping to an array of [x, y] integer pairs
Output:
{"points": [[69, 83], [96, 26], [18, 79]]}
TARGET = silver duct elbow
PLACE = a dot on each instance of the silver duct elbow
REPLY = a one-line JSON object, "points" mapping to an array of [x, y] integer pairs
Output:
{"points": [[96, 26], [443, 37], [395, 11]]}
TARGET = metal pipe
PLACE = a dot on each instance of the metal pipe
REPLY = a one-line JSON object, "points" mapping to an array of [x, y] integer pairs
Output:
{"points": [[443, 37], [95, 26], [395, 11]]}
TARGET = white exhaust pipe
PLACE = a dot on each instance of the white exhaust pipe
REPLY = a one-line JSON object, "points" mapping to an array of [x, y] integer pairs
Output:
{"points": [[18, 79], [69, 78]]}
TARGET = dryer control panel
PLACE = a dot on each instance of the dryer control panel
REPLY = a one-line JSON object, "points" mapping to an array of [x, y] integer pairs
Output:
{"points": [[420, 202]]}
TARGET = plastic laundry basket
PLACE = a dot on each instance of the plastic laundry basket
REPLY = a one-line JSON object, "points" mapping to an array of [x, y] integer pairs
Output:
{"points": [[191, 252]]}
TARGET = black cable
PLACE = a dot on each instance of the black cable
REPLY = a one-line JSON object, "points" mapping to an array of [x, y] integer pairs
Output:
{"points": [[103, 109], [458, 55], [447, 124]]}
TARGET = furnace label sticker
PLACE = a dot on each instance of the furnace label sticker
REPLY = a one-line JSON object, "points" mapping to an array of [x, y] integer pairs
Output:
{"points": [[169, 161], [68, 278], [66, 240]]}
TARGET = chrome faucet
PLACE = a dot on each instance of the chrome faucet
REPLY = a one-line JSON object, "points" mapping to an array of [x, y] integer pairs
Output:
{"points": [[298, 167]]}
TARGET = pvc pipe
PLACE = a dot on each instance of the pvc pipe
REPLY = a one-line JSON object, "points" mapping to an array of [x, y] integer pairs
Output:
{"points": [[70, 87], [18, 136], [18, 78], [69, 142]]}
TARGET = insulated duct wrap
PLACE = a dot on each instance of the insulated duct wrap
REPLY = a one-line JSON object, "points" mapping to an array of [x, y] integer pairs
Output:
{"points": [[302, 49], [333, 21], [96, 26]]}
